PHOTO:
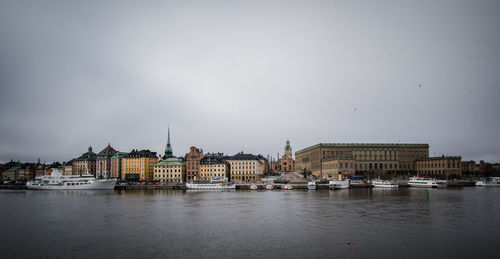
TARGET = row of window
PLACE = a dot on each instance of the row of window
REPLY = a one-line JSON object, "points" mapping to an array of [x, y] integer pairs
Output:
{"points": [[171, 175]]}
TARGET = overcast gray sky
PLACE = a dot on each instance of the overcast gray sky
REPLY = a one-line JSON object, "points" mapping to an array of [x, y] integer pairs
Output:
{"points": [[232, 76]]}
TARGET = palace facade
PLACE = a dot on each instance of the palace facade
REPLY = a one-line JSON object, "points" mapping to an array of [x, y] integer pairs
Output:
{"points": [[367, 158]]}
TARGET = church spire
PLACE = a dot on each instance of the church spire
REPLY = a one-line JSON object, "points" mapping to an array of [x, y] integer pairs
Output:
{"points": [[168, 148]]}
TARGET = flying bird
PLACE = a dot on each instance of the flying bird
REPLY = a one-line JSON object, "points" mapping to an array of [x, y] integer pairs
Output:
{"points": [[419, 85]]}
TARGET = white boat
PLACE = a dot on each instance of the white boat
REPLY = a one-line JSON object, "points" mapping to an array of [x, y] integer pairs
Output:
{"points": [[420, 181], [384, 184], [311, 185], [57, 181], [269, 186], [488, 182], [210, 186], [286, 187], [339, 184], [442, 183], [253, 187]]}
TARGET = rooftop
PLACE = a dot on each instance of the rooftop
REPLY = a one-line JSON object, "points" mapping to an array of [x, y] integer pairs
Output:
{"points": [[365, 145], [171, 160], [141, 153]]}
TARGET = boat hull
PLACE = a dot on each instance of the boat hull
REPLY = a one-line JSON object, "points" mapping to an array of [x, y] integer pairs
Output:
{"points": [[385, 186], [423, 185]]}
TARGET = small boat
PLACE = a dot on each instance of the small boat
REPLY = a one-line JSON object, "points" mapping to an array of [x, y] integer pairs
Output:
{"points": [[420, 181], [488, 182], [253, 187], [269, 186], [384, 184], [441, 183], [311, 185], [286, 187]]}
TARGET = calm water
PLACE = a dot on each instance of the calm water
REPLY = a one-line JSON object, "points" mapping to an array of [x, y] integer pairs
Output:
{"points": [[454, 223]]}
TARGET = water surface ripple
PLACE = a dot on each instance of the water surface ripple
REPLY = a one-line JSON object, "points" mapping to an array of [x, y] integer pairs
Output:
{"points": [[453, 223]]}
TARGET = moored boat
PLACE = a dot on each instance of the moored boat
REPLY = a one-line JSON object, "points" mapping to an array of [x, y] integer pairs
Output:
{"points": [[420, 181], [311, 185], [57, 181], [286, 187], [488, 182], [253, 187], [384, 184], [269, 186], [339, 183], [442, 183], [210, 186]]}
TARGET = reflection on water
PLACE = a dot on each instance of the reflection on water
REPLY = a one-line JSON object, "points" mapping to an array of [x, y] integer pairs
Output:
{"points": [[299, 224]]}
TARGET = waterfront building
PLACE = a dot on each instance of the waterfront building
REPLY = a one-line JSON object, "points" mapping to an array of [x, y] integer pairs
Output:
{"points": [[214, 166], [170, 170], [245, 168], [192, 160], [338, 164], [68, 168], [29, 172], [87, 161], [468, 167], [265, 163], [369, 159], [484, 169], [103, 162], [14, 173], [440, 167], [40, 170], [116, 165], [138, 165]]}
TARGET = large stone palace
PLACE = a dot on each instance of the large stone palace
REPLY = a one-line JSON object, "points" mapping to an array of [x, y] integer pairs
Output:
{"points": [[326, 159]]}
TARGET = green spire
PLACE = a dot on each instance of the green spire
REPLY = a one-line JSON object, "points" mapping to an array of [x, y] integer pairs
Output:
{"points": [[168, 148], [287, 147]]}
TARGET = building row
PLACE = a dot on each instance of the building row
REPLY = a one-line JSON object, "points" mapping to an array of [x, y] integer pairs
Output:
{"points": [[324, 160]]}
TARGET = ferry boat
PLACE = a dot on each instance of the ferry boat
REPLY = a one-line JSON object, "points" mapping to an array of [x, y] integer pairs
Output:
{"points": [[339, 183], [311, 185], [488, 182], [420, 181], [210, 186], [269, 186], [57, 181], [384, 184], [253, 187], [286, 187]]}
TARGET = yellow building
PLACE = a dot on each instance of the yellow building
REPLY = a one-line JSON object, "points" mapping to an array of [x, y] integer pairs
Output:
{"points": [[214, 166], [245, 168], [170, 170], [138, 165]]}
